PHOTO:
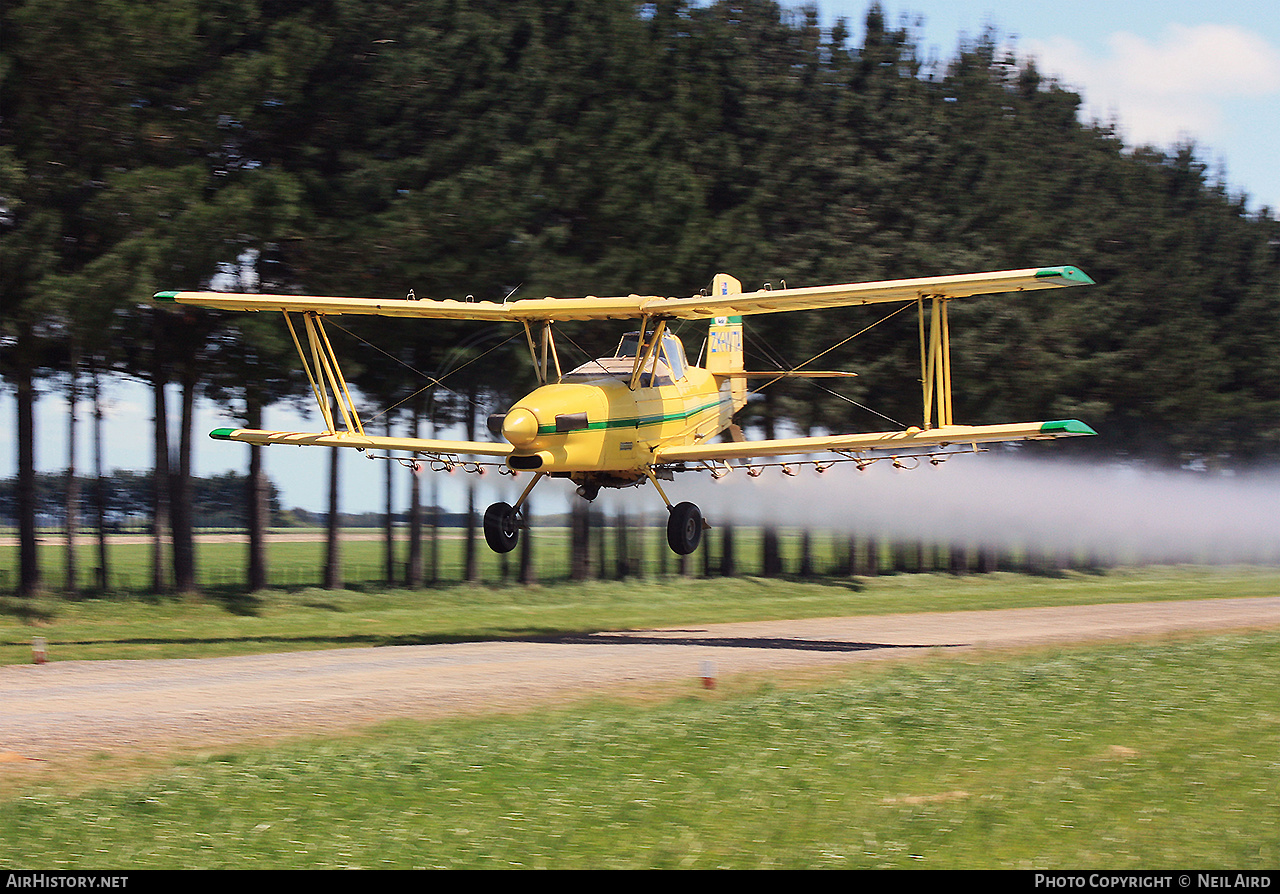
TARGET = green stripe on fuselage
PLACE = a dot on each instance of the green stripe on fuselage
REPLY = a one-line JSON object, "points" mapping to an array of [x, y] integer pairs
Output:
{"points": [[635, 422]]}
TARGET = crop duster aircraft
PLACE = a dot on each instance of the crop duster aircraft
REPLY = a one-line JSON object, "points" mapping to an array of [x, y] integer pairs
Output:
{"points": [[646, 411]]}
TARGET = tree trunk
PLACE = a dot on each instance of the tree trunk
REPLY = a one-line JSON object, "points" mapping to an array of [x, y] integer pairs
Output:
{"points": [[435, 505], [728, 557], [414, 571], [159, 482], [472, 573], [622, 545], [388, 523], [433, 539], [638, 554], [71, 507], [256, 502], [771, 559], [527, 574], [806, 553], [28, 562], [332, 558], [579, 542], [181, 509], [99, 487], [600, 530], [471, 558], [873, 557]]}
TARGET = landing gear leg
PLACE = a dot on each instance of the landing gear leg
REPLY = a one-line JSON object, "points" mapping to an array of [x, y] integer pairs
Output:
{"points": [[502, 522]]}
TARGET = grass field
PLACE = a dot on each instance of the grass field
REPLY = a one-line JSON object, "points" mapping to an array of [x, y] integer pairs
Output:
{"points": [[1153, 755], [1148, 755], [230, 622], [221, 559]]}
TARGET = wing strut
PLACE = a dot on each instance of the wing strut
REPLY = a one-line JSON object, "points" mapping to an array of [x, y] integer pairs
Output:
{"points": [[327, 383], [647, 353], [550, 357], [935, 361]]}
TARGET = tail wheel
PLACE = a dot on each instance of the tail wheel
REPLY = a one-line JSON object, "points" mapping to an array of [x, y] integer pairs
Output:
{"points": [[501, 527], [684, 528]]}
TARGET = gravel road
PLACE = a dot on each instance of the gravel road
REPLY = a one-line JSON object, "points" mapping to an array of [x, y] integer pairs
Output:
{"points": [[65, 708]]}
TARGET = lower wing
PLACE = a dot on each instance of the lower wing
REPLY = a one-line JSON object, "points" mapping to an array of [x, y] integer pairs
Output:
{"points": [[942, 436], [361, 442]]}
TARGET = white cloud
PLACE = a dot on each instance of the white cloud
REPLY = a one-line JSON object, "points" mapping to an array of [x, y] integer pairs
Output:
{"points": [[1201, 60], [1167, 89]]}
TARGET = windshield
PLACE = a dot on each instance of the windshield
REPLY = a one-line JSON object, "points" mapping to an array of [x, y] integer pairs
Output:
{"points": [[672, 352]]}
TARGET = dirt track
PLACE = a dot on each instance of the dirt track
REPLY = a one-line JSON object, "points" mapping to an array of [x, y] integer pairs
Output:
{"points": [[110, 706]]}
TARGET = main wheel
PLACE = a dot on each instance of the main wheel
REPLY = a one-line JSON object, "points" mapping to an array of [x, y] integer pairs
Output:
{"points": [[501, 528], [684, 528]]}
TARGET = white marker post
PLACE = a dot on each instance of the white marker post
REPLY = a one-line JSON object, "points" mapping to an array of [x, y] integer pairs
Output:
{"points": [[708, 675]]}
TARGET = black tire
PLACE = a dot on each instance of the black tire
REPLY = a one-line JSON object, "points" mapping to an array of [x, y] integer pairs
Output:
{"points": [[684, 528], [501, 528]]}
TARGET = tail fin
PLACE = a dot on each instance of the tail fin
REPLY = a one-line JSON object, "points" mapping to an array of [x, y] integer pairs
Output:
{"points": [[725, 343]]}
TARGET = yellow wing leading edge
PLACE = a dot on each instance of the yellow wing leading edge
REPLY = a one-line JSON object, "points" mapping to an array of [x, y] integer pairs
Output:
{"points": [[635, 306]]}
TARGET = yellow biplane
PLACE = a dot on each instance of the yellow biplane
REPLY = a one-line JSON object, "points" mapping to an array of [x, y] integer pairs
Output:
{"points": [[646, 411]]}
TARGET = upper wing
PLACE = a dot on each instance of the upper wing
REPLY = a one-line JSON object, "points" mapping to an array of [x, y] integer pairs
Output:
{"points": [[361, 442], [942, 436], [553, 309], [632, 306], [815, 298]]}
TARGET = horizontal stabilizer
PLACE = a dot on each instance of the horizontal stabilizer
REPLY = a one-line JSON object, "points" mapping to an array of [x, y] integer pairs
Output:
{"points": [[792, 374]]}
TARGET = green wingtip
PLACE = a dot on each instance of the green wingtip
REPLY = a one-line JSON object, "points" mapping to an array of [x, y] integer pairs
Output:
{"points": [[1066, 427], [1073, 275], [221, 434], [165, 296]]}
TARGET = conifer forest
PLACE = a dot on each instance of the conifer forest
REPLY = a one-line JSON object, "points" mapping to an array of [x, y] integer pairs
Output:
{"points": [[609, 147]]}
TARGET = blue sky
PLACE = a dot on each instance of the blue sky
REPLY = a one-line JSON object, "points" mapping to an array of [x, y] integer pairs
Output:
{"points": [[1166, 70]]}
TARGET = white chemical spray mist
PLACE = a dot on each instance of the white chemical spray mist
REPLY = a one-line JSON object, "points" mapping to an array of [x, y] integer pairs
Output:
{"points": [[1114, 513]]}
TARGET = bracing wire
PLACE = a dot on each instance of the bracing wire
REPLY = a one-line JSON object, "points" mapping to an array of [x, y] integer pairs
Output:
{"points": [[774, 356], [432, 381]]}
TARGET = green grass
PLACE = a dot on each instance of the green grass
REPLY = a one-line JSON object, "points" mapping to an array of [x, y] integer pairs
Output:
{"points": [[293, 564], [290, 563], [228, 622], [1150, 755]]}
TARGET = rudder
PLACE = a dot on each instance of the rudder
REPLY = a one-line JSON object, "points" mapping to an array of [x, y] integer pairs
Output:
{"points": [[725, 342]]}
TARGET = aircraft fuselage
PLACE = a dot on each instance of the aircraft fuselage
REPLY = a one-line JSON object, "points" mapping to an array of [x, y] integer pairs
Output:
{"points": [[590, 422]]}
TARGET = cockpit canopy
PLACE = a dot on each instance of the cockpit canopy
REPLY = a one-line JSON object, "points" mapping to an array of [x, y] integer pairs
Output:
{"points": [[672, 351], [669, 367]]}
